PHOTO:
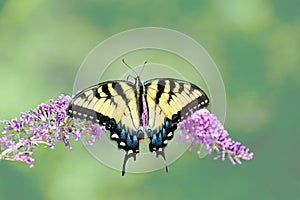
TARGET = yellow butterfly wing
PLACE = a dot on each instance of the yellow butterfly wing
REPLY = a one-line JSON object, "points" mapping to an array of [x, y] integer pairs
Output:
{"points": [[111, 104], [169, 101]]}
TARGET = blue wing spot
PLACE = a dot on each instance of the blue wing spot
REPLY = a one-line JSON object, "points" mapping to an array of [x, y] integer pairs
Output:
{"points": [[129, 141], [140, 134], [175, 118], [118, 128], [135, 141], [164, 134], [154, 139], [159, 140], [149, 132], [113, 123], [123, 135], [167, 125]]}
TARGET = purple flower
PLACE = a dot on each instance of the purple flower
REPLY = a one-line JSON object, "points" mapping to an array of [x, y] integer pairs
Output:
{"points": [[43, 126], [94, 133], [205, 129]]}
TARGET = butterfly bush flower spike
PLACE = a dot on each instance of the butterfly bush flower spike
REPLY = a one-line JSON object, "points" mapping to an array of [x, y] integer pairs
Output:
{"points": [[43, 126], [204, 129]]}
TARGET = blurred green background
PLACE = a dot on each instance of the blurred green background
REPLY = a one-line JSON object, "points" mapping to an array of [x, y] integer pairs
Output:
{"points": [[255, 44]]}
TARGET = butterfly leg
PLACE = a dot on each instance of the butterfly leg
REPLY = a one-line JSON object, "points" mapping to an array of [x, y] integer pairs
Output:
{"points": [[127, 156], [161, 153]]}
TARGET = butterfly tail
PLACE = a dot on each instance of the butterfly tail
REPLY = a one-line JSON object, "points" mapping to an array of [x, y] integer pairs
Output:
{"points": [[127, 156], [162, 154]]}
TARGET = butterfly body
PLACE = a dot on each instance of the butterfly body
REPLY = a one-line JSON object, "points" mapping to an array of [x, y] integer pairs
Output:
{"points": [[131, 110]]}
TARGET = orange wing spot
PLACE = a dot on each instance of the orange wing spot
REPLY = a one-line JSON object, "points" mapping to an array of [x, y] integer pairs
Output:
{"points": [[149, 140], [140, 140], [173, 123]]}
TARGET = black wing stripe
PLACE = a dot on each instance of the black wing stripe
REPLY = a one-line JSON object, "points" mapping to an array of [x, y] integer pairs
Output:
{"points": [[172, 85], [90, 114], [106, 90], [160, 90], [181, 87], [171, 94], [97, 94], [120, 91]]}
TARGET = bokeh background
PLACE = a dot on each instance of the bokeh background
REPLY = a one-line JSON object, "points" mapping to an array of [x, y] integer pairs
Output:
{"points": [[256, 45]]}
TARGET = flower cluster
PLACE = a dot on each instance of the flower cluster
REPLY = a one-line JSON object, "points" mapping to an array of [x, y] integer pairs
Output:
{"points": [[205, 129], [43, 126]]}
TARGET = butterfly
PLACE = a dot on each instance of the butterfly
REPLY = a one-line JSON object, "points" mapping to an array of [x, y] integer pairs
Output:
{"points": [[131, 111]]}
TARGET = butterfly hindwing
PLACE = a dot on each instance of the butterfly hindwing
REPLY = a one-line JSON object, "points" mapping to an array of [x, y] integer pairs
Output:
{"points": [[169, 101], [111, 104]]}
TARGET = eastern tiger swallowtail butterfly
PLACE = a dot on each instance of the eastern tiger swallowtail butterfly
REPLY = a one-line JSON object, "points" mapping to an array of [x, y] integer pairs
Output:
{"points": [[131, 110]]}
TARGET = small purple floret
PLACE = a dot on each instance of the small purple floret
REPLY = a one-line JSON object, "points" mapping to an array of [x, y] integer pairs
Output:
{"points": [[94, 133], [203, 128]]}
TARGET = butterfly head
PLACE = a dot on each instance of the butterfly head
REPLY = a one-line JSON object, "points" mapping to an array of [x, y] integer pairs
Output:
{"points": [[137, 79]]}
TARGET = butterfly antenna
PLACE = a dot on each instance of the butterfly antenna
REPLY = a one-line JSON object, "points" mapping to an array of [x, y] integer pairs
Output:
{"points": [[162, 154], [130, 76], [127, 156], [123, 60], [143, 68]]}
